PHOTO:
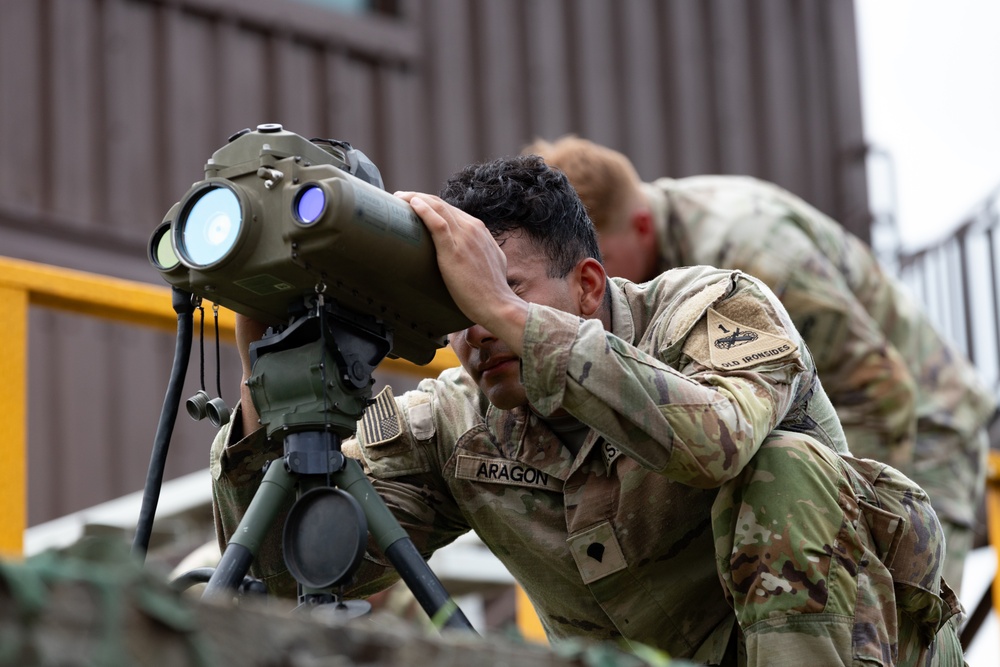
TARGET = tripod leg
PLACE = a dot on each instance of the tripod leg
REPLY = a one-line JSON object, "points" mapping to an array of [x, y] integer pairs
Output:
{"points": [[277, 487], [400, 550]]}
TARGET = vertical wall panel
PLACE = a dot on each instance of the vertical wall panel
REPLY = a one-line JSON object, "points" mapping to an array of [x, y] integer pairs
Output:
{"points": [[847, 137], [501, 78], [549, 62], [733, 88], [690, 105], [781, 117], [597, 70], [21, 61], [353, 108], [815, 105], [192, 125], [244, 97], [132, 171], [643, 88], [450, 71], [45, 445], [406, 146], [298, 98], [83, 473], [74, 106]]}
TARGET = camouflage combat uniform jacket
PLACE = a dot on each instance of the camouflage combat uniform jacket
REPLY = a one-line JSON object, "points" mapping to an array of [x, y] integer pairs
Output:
{"points": [[701, 390], [903, 394]]}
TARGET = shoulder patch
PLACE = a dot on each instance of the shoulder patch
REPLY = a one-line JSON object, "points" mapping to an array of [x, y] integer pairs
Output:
{"points": [[691, 310], [421, 418], [381, 422], [735, 345]]}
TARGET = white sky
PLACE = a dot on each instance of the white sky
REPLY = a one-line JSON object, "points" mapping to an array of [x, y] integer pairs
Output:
{"points": [[931, 97]]}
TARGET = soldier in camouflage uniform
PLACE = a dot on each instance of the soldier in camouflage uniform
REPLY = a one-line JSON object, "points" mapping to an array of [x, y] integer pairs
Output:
{"points": [[903, 394], [654, 462]]}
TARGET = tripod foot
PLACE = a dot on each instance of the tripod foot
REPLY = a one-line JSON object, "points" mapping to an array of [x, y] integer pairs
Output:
{"points": [[339, 611]]}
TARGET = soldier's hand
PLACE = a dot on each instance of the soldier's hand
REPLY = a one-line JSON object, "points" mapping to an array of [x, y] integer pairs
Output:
{"points": [[474, 268], [247, 331]]}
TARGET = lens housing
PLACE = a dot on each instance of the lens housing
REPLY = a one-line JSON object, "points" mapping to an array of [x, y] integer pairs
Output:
{"points": [[161, 249], [310, 204], [210, 225]]}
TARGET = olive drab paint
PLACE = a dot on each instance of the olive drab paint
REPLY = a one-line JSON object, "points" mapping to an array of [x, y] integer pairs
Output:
{"points": [[365, 248]]}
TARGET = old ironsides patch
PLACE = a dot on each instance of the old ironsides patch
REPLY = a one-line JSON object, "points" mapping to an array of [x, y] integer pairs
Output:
{"points": [[736, 345], [381, 422]]}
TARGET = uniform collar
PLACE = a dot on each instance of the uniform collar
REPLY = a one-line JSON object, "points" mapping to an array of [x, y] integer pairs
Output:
{"points": [[524, 437], [622, 322], [671, 237]]}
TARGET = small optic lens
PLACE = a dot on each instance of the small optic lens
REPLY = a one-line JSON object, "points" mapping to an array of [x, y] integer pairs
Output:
{"points": [[164, 252], [310, 204], [211, 226]]}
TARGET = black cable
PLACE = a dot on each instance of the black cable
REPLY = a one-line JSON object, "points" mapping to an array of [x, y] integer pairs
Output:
{"points": [[165, 428], [218, 360], [201, 347]]}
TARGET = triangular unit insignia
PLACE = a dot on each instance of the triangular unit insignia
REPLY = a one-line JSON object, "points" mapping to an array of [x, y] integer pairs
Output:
{"points": [[735, 345]]}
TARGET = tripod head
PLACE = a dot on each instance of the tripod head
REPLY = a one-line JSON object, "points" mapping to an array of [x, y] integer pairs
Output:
{"points": [[316, 374]]}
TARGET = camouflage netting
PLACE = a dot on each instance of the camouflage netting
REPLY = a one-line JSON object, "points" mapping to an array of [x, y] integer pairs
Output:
{"points": [[93, 605]]}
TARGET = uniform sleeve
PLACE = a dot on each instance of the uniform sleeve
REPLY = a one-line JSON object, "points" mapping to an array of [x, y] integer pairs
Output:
{"points": [[237, 465], [834, 289], [700, 426], [866, 378]]}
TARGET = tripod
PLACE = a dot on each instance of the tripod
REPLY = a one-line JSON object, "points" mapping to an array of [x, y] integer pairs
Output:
{"points": [[310, 385]]}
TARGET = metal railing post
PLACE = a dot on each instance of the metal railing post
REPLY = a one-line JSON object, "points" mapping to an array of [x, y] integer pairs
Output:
{"points": [[14, 420]]}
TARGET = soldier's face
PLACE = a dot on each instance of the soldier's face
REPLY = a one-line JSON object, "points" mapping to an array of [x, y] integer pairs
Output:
{"points": [[494, 367]]}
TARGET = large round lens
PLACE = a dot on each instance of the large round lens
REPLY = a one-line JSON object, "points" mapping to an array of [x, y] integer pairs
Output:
{"points": [[161, 252], [309, 204], [210, 226]]}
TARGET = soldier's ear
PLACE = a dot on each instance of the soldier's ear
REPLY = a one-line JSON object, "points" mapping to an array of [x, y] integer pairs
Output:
{"points": [[646, 249], [592, 281], [642, 222]]}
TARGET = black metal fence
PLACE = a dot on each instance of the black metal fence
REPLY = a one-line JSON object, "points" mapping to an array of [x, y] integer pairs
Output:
{"points": [[956, 280]]}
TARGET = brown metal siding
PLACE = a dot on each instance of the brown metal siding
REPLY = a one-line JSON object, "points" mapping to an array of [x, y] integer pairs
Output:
{"points": [[764, 87], [111, 108]]}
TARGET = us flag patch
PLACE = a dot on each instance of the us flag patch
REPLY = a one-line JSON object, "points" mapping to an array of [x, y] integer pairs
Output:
{"points": [[381, 422]]}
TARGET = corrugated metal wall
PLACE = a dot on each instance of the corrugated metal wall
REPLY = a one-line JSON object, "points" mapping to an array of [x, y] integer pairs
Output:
{"points": [[111, 108]]}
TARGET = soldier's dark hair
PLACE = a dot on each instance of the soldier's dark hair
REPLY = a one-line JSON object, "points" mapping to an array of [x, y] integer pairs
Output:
{"points": [[523, 194]]}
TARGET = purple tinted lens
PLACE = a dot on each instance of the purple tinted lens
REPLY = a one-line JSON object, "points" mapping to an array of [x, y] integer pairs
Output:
{"points": [[310, 204]]}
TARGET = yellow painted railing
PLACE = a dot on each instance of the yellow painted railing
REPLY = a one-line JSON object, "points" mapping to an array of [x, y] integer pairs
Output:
{"points": [[993, 517], [25, 284]]}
